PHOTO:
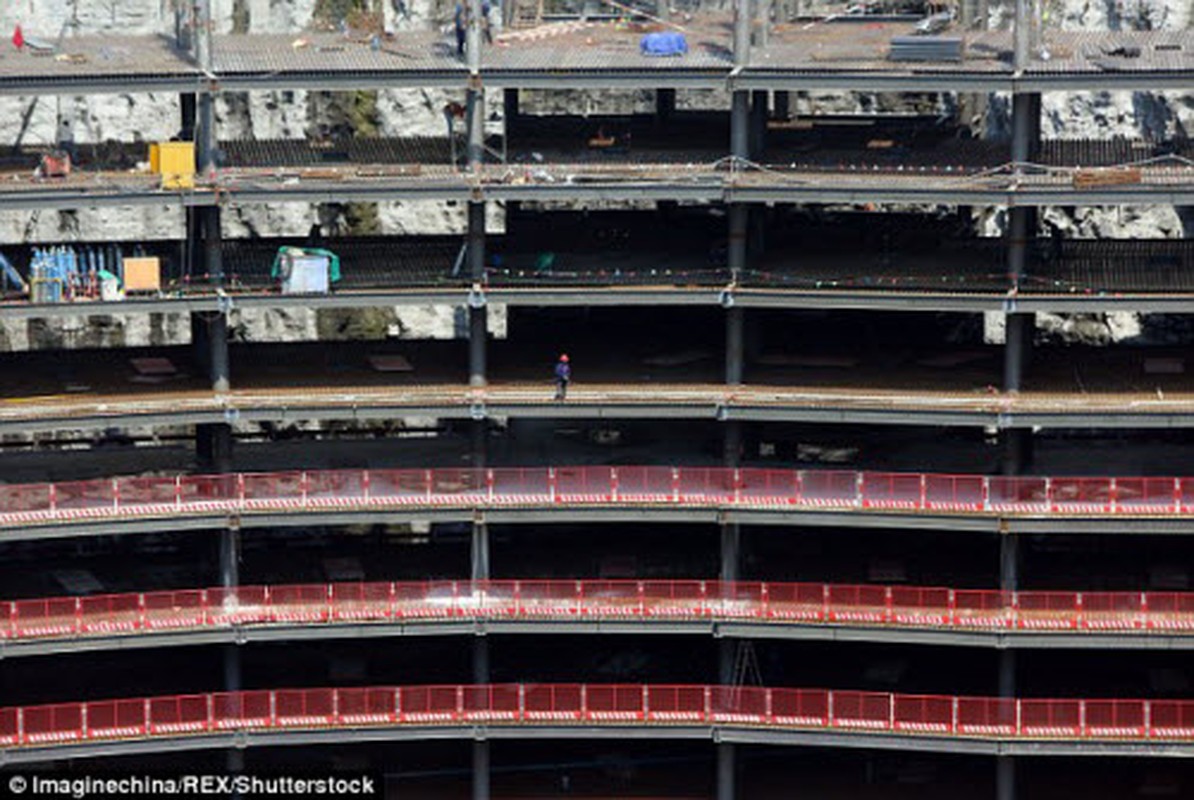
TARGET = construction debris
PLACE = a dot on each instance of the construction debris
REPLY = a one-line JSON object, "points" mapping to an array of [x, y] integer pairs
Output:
{"points": [[1109, 176]]}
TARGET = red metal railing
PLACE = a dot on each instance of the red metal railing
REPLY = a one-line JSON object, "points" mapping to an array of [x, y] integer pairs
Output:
{"points": [[776, 603], [599, 704], [316, 490]]}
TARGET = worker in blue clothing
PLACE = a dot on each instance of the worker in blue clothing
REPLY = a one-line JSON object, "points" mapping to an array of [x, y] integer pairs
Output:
{"points": [[563, 376], [459, 20]]}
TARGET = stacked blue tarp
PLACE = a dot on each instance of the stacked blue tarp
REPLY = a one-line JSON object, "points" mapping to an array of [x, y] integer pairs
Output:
{"points": [[669, 43]]}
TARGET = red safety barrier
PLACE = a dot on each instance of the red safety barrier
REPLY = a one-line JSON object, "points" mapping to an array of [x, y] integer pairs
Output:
{"points": [[322, 490], [581, 704], [837, 604]]}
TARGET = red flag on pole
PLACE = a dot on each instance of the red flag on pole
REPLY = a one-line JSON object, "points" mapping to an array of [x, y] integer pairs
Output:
{"points": [[18, 38]]}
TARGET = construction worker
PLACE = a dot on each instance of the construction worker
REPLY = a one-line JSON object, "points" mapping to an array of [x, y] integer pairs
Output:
{"points": [[563, 375], [459, 21]]}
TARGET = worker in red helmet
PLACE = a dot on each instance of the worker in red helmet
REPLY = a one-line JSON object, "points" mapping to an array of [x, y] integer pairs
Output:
{"points": [[563, 375]]}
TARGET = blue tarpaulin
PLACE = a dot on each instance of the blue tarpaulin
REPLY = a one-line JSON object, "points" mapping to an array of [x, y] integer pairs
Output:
{"points": [[663, 44]]}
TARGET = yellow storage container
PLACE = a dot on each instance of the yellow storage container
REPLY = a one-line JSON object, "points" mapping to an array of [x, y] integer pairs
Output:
{"points": [[175, 162]]}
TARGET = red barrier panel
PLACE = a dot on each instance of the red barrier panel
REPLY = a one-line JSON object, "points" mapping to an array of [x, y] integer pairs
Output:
{"points": [[304, 707], [57, 723], [79, 496], [955, 492], [238, 710], [674, 598], [1113, 610], [213, 490], [400, 485], [563, 599], [361, 601], [1081, 495], [870, 710], [1171, 719], [1050, 718], [367, 706], [274, 490], [1047, 610], [54, 616], [345, 485], [1185, 495], [916, 605], [698, 486], [148, 493], [183, 714], [797, 601], [1103, 719], [705, 485], [9, 727], [24, 498], [867, 604], [553, 702], [540, 598], [1145, 495], [239, 605], [620, 598], [309, 603], [986, 716], [520, 486], [1114, 718], [430, 704], [892, 490], [181, 609], [800, 706], [494, 703], [676, 703], [116, 719], [583, 484], [769, 486], [110, 613], [742, 704], [607, 703], [645, 484], [923, 714], [1023, 495], [829, 489]]}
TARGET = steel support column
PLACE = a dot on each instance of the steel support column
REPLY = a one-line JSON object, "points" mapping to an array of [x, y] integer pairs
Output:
{"points": [[229, 581], [217, 335], [735, 343], [731, 541], [665, 105], [1009, 579], [725, 772], [781, 103], [758, 124], [479, 571], [477, 313]]}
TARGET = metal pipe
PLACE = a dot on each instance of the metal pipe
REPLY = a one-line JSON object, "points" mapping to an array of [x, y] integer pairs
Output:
{"points": [[1021, 52], [725, 771], [735, 345], [213, 252], [740, 125], [1018, 330], [476, 129], [741, 33], [479, 557], [477, 314], [218, 344], [1005, 777], [480, 770], [472, 40]]}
